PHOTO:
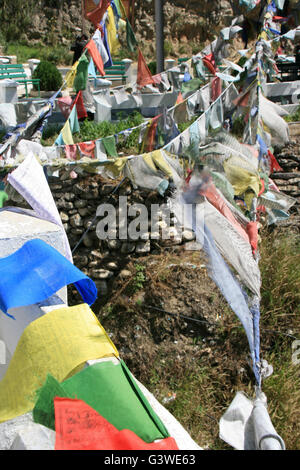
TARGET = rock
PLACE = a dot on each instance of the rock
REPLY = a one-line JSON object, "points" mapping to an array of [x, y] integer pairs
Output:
{"points": [[106, 189], [188, 235], [88, 241], [80, 261], [80, 203], [112, 266], [64, 217], [127, 248], [96, 254], [143, 247], [125, 274], [89, 223], [102, 274], [77, 231], [69, 196], [76, 221], [83, 212], [114, 244], [62, 204], [102, 287], [192, 246]]}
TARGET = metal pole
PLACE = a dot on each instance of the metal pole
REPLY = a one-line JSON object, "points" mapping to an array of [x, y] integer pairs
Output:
{"points": [[159, 28]]}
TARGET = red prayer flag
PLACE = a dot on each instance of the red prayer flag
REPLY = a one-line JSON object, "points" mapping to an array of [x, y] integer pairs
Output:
{"points": [[242, 100], [96, 15], [209, 62], [179, 98], [71, 151], [80, 427], [216, 88], [274, 165], [81, 111], [88, 6], [65, 105], [88, 148], [144, 76], [93, 51], [252, 231]]}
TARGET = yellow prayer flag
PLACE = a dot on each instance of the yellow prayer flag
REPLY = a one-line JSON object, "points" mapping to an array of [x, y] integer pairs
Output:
{"points": [[70, 76], [112, 37], [57, 344]]}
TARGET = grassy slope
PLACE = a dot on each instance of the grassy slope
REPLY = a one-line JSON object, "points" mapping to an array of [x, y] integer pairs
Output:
{"points": [[205, 368]]}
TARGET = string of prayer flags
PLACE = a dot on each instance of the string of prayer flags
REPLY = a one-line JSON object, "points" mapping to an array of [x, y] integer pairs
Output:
{"points": [[71, 126], [216, 88], [97, 38], [66, 105]]}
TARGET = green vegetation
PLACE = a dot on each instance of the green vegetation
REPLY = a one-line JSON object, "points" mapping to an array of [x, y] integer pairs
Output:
{"points": [[49, 75], [293, 117], [152, 67], [168, 48], [15, 18], [59, 54], [90, 130]]}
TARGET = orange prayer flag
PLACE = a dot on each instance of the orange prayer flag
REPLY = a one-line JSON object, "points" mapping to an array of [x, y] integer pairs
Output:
{"points": [[93, 51], [179, 98]]}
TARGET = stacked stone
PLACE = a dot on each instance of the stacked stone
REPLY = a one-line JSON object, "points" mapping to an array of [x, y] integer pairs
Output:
{"points": [[288, 181], [77, 201]]}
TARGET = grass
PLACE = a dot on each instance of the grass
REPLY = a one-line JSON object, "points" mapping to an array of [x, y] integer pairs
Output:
{"points": [[58, 54], [205, 389]]}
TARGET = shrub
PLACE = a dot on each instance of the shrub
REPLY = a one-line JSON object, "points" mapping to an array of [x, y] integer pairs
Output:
{"points": [[49, 75], [152, 67]]}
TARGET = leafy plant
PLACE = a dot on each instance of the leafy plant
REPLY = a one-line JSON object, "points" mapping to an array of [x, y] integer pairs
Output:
{"points": [[293, 117], [152, 67], [49, 75]]}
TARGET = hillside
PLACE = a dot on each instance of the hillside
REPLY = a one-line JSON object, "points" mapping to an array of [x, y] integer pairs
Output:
{"points": [[54, 22]]}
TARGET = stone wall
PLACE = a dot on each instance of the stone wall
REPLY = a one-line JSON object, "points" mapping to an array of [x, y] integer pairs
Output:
{"points": [[55, 22], [77, 201]]}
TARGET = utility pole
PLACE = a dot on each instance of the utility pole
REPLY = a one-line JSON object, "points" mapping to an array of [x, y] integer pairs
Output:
{"points": [[159, 29]]}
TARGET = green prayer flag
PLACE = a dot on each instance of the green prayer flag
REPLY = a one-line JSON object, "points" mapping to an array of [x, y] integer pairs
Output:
{"points": [[110, 146], [81, 77], [110, 390], [3, 198], [43, 411], [130, 37]]}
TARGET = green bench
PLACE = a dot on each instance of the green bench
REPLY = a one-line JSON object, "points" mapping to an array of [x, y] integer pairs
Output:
{"points": [[16, 72], [115, 73], [183, 59]]}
